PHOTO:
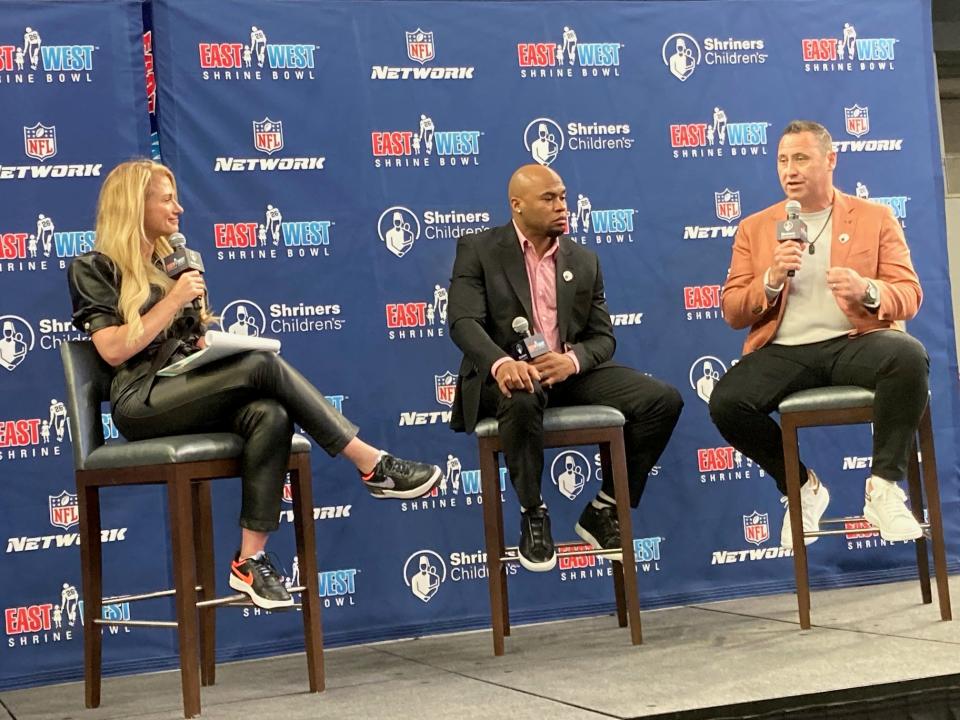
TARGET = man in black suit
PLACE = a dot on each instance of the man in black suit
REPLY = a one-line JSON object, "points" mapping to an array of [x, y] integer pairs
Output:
{"points": [[526, 268]]}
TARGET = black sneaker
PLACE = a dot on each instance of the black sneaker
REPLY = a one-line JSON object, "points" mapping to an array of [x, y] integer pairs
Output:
{"points": [[257, 577], [396, 478], [537, 553], [600, 528]]}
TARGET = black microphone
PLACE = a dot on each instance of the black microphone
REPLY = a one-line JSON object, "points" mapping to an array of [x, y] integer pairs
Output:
{"points": [[532, 345], [793, 228], [182, 260]]}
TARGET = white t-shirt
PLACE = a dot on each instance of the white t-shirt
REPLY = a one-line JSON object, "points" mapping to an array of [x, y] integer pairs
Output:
{"points": [[811, 314]]}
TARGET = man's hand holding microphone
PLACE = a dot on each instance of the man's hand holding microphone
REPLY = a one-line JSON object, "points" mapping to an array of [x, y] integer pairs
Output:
{"points": [[791, 243], [535, 363]]}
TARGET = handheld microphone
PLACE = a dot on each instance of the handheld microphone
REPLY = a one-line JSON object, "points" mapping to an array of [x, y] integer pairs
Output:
{"points": [[181, 260], [793, 228], [531, 345]]}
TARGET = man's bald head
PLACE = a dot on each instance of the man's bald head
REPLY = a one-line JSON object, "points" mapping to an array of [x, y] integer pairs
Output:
{"points": [[538, 201], [530, 177]]}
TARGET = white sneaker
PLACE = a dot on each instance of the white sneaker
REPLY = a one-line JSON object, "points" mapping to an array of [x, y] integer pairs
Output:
{"points": [[885, 507], [814, 498]]}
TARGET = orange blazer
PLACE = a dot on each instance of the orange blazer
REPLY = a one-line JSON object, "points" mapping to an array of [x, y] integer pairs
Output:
{"points": [[866, 238]]}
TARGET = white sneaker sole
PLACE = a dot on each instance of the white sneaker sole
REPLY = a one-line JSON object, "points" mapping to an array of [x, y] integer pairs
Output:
{"points": [[420, 490], [595, 544], [240, 586], [545, 566], [871, 517]]}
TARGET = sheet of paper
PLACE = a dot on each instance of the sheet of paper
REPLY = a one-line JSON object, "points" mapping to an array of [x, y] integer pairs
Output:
{"points": [[219, 345]]}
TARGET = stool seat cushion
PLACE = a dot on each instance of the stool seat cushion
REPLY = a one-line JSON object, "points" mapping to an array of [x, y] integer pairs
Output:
{"points": [[576, 417], [174, 449], [839, 397]]}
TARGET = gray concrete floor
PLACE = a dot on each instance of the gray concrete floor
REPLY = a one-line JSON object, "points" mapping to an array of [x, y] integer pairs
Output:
{"points": [[692, 657]]}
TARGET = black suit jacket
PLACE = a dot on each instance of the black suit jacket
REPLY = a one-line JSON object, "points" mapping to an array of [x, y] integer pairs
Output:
{"points": [[489, 288]]}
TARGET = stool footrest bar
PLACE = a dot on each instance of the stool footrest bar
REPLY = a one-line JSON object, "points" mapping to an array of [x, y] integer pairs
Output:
{"points": [[137, 623], [513, 552], [849, 531]]}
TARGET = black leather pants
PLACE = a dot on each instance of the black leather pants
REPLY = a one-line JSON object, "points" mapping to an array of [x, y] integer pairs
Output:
{"points": [[258, 396]]}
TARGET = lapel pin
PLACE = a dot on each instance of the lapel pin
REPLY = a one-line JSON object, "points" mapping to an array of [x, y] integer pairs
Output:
{"points": [[567, 275], [843, 237]]}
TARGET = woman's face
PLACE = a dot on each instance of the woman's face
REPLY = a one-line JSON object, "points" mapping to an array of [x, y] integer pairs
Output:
{"points": [[161, 211]]}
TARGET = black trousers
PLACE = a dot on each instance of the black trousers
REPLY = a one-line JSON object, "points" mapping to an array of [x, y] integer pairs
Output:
{"points": [[889, 362], [650, 406], [258, 396]]}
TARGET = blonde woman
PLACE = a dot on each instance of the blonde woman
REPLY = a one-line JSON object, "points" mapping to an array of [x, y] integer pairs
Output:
{"points": [[140, 320]]}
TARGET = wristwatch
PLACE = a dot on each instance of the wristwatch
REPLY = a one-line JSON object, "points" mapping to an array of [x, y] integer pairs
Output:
{"points": [[871, 297]]}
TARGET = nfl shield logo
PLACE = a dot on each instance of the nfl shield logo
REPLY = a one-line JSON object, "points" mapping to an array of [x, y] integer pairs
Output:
{"points": [[64, 512], [728, 204], [756, 528], [40, 141], [857, 120], [446, 387], [420, 46], [268, 135], [287, 492]]}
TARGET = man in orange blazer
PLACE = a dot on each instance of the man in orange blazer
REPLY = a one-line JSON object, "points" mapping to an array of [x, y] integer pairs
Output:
{"points": [[836, 319]]}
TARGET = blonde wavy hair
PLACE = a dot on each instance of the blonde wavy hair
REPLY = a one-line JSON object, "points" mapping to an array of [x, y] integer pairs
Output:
{"points": [[121, 234]]}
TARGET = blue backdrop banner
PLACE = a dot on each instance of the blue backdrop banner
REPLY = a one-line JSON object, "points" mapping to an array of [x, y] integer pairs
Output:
{"points": [[328, 155]]}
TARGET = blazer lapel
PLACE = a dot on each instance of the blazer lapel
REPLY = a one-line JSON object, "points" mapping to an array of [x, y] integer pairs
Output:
{"points": [[565, 288], [514, 268], [844, 224]]}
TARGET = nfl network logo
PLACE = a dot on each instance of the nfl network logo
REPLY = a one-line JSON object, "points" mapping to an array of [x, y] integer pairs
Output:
{"points": [[64, 511], [40, 141], [446, 388], [756, 528], [268, 135], [857, 120], [728, 204], [420, 46]]}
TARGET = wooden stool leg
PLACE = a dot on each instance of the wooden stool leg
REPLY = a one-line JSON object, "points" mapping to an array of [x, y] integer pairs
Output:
{"points": [[504, 586], [936, 518], [606, 470], [91, 583], [791, 459], [184, 582], [301, 486], [206, 574], [493, 535], [619, 590], [622, 493], [916, 503]]}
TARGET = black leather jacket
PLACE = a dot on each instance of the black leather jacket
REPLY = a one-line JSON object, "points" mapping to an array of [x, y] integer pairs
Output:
{"points": [[95, 293]]}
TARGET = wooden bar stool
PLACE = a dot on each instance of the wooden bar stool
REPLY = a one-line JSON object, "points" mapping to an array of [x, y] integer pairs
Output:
{"points": [[184, 464], [848, 405], [562, 427]]}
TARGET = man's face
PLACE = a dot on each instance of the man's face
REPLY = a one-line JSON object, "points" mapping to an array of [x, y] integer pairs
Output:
{"points": [[805, 170], [544, 205]]}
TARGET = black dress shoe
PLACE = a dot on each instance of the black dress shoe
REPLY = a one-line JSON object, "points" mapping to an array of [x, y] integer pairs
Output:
{"points": [[600, 528], [536, 543]]}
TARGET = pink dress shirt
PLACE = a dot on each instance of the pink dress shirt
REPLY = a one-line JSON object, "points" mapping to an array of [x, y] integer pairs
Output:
{"points": [[542, 276]]}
